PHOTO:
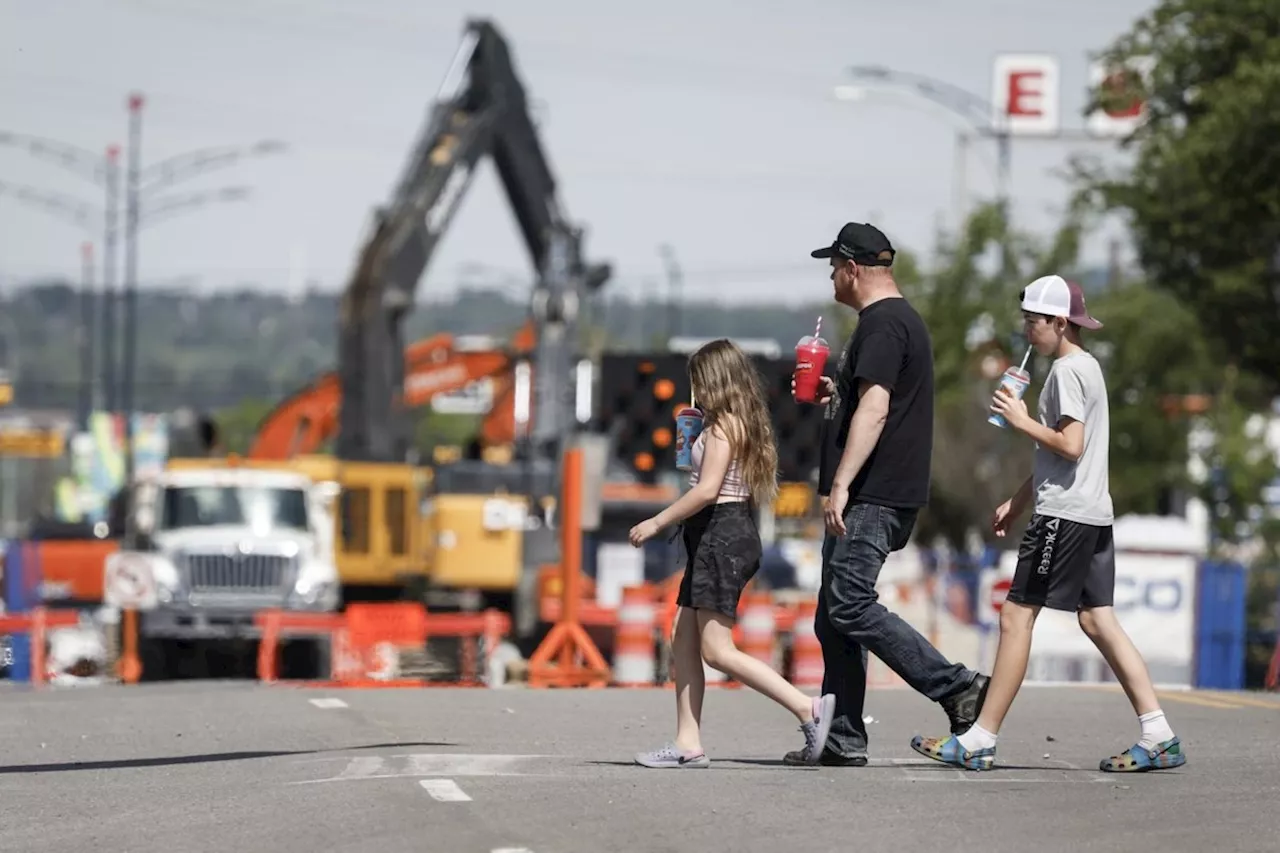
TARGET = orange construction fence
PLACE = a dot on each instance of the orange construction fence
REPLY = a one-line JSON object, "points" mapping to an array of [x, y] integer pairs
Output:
{"points": [[361, 638]]}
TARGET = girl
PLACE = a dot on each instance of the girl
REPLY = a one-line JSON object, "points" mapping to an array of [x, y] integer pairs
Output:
{"points": [[734, 468]]}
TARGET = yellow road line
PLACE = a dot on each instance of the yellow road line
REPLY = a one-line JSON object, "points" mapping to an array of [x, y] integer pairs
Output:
{"points": [[1221, 699], [1195, 699], [1246, 699]]}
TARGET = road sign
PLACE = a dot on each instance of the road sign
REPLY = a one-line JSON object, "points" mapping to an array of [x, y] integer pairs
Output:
{"points": [[1025, 94], [999, 591], [129, 582]]}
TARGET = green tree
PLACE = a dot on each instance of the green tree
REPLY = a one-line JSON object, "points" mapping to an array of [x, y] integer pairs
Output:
{"points": [[1203, 194], [1155, 356]]}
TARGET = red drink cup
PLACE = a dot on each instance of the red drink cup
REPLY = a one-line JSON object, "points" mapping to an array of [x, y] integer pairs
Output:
{"points": [[811, 360]]}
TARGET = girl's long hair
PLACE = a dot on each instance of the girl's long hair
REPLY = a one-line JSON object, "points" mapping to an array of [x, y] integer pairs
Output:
{"points": [[725, 382]]}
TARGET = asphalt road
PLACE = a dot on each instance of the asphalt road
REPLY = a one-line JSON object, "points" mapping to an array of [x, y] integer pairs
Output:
{"points": [[236, 766]]}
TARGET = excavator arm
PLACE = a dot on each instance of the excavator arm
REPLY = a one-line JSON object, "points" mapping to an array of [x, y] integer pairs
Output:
{"points": [[481, 109]]}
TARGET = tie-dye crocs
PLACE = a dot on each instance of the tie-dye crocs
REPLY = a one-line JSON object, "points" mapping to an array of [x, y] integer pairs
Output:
{"points": [[949, 751], [1139, 760]]}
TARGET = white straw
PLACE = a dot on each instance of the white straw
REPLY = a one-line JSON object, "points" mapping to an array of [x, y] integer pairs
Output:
{"points": [[1025, 356]]}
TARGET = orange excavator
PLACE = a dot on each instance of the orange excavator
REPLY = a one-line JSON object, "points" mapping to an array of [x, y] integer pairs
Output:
{"points": [[307, 419]]}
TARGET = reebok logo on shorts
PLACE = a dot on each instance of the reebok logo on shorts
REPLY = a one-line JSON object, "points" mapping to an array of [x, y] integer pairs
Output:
{"points": [[1046, 549]]}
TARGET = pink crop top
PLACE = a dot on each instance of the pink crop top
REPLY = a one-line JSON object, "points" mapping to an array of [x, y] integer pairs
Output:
{"points": [[731, 486]]}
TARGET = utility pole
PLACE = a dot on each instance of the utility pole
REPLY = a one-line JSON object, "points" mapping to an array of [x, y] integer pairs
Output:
{"points": [[128, 401], [85, 338], [110, 377]]}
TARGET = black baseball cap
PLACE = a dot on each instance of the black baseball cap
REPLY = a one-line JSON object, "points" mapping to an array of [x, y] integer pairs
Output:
{"points": [[861, 243]]}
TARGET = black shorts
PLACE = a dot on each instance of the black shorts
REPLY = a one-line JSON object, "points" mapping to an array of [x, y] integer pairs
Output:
{"points": [[724, 551], [1065, 565]]}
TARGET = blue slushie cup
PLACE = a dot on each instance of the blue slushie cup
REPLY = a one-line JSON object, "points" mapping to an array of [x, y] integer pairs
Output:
{"points": [[688, 428], [1017, 381]]}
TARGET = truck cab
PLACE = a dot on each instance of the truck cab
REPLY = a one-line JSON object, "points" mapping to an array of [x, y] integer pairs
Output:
{"points": [[226, 542]]}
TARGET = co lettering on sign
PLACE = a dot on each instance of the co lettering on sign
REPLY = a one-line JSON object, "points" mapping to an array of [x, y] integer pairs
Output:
{"points": [[1162, 595]]}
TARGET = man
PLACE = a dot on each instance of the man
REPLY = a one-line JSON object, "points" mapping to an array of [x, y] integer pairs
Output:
{"points": [[874, 477], [1067, 559]]}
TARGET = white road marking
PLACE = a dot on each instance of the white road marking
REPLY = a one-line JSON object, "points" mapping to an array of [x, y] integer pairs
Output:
{"points": [[433, 764], [328, 703], [511, 850], [445, 790]]}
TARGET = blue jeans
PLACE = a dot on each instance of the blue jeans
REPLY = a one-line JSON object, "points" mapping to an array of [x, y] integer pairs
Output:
{"points": [[852, 622]]}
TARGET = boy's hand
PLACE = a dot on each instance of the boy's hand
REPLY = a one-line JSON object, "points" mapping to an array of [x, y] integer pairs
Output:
{"points": [[1011, 408], [1001, 520]]}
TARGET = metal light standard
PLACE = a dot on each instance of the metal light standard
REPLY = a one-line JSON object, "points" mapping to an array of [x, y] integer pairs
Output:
{"points": [[104, 171], [90, 219], [974, 110]]}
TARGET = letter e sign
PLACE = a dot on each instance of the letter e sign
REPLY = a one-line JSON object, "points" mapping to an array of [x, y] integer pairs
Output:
{"points": [[1025, 94]]}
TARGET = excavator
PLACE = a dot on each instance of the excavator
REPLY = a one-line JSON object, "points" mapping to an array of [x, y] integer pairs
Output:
{"points": [[471, 533], [307, 420]]}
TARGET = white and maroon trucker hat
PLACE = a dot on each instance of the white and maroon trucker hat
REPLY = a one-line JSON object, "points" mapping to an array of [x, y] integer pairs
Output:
{"points": [[1054, 296]]}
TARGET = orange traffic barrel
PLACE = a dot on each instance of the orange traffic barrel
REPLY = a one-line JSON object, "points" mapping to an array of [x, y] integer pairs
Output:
{"points": [[806, 652], [634, 663]]}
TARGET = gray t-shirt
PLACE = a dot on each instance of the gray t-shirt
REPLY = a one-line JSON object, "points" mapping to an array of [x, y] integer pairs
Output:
{"points": [[1076, 491]]}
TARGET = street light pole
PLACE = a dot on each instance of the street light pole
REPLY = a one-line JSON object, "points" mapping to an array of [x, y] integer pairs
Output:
{"points": [[85, 338], [110, 399], [130, 331], [974, 110], [106, 172]]}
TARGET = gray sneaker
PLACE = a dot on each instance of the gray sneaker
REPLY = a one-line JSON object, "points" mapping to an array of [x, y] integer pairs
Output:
{"points": [[670, 756], [815, 732]]}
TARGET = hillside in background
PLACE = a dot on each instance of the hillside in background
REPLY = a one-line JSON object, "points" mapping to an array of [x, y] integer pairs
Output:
{"points": [[216, 351]]}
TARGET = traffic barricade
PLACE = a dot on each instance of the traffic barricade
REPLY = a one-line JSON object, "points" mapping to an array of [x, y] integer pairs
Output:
{"points": [[758, 627], [806, 652], [365, 641], [634, 663], [35, 624]]}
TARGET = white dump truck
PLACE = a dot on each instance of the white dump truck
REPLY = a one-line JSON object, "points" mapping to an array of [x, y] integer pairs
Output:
{"points": [[223, 543]]}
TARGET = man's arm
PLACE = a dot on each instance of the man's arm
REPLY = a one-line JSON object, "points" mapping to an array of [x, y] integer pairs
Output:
{"points": [[864, 431]]}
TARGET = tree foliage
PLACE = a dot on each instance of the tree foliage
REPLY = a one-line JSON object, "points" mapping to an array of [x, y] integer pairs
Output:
{"points": [[1203, 194]]}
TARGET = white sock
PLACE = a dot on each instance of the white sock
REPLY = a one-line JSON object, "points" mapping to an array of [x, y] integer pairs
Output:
{"points": [[977, 738], [1155, 729]]}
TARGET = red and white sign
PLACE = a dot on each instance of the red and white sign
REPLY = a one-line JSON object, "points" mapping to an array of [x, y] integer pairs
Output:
{"points": [[1121, 119], [993, 587], [1025, 94], [999, 592], [129, 582]]}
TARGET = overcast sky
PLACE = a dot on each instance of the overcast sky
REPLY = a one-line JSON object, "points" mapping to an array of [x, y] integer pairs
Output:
{"points": [[705, 124]]}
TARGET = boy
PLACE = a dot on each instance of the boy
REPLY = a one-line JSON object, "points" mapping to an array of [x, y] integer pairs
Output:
{"points": [[1066, 560]]}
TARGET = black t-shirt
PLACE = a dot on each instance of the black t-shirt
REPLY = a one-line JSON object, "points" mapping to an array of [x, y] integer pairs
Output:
{"points": [[889, 347]]}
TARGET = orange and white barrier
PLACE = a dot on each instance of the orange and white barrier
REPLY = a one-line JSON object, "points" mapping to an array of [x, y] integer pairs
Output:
{"points": [[365, 640], [806, 652], [758, 626], [36, 625], [634, 660]]}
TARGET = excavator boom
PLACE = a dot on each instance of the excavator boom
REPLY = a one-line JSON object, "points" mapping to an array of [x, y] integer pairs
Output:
{"points": [[481, 109]]}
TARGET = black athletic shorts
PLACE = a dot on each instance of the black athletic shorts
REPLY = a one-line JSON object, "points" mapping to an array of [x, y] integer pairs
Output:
{"points": [[724, 551], [1065, 565]]}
